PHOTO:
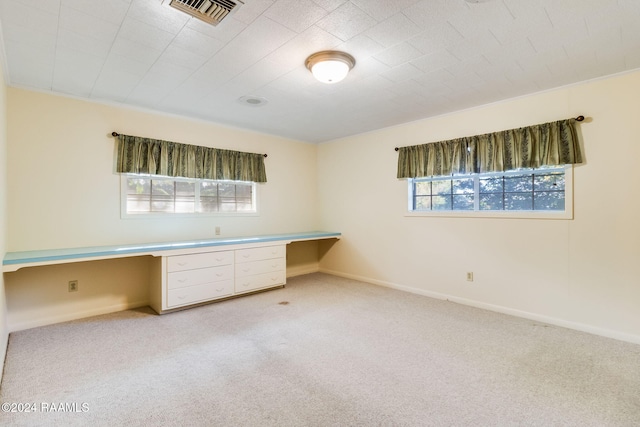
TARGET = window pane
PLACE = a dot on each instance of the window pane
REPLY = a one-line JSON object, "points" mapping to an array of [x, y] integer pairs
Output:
{"points": [[244, 205], [226, 190], [440, 203], [491, 202], [422, 203], [549, 201], [138, 186], [137, 204], [463, 202], [162, 195], [208, 189], [491, 185], [519, 184], [463, 186], [208, 204], [518, 201], [422, 188], [185, 197], [549, 182], [228, 205], [138, 195], [441, 187], [243, 190]]}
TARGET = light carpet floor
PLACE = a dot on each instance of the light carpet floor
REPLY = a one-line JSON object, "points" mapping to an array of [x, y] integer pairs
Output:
{"points": [[324, 351]]}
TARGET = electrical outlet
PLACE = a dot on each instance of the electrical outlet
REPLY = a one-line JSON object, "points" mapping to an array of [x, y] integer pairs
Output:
{"points": [[217, 231], [469, 276], [73, 286]]}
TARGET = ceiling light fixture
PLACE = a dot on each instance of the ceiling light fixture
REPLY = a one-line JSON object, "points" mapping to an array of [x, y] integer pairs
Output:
{"points": [[330, 66]]}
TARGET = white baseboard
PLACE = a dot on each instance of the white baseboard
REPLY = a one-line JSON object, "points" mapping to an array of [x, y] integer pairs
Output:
{"points": [[608, 333], [19, 326], [299, 271]]}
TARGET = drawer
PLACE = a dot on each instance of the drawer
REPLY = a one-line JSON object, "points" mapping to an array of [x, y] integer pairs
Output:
{"points": [[199, 293], [206, 259], [181, 279], [259, 267], [257, 254], [259, 281]]}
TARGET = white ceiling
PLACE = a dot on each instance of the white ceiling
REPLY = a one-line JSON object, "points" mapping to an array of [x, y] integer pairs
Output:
{"points": [[415, 59]]}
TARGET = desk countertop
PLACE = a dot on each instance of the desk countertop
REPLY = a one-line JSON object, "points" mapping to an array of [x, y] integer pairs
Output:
{"points": [[16, 260]]}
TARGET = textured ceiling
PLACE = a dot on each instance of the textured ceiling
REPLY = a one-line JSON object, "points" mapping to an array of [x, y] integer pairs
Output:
{"points": [[415, 59]]}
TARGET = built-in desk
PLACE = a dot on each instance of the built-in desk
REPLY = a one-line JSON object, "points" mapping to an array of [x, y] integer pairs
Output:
{"points": [[16, 260], [190, 272]]}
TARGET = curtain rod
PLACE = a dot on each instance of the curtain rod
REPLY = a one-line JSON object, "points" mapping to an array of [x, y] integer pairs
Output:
{"points": [[116, 134], [578, 119]]}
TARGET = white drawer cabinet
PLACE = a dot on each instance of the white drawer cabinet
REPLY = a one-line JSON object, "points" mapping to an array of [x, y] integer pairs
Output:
{"points": [[258, 268], [193, 278]]}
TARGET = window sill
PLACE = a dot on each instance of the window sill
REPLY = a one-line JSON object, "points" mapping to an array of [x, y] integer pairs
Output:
{"points": [[566, 215], [163, 215]]}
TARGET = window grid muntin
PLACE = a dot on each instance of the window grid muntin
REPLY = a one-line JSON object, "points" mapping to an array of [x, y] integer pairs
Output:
{"points": [[534, 175]]}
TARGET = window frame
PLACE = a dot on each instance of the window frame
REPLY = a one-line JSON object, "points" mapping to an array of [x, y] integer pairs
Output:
{"points": [[146, 215], [515, 214]]}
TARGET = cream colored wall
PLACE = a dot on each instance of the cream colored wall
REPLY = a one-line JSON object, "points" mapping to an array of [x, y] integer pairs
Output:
{"points": [[63, 192], [578, 273], [39, 296]]}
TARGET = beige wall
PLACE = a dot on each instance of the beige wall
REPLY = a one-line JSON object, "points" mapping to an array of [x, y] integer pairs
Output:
{"points": [[62, 192], [578, 273], [4, 331]]}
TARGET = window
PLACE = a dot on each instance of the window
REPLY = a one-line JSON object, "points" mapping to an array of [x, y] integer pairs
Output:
{"points": [[157, 195], [541, 191]]}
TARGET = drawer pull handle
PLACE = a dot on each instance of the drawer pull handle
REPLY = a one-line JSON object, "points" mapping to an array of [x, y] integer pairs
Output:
{"points": [[219, 259], [219, 289], [246, 270], [182, 263], [183, 280], [182, 296], [219, 274], [246, 256]]}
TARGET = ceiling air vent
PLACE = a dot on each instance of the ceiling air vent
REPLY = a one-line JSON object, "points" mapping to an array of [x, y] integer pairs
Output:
{"points": [[210, 11]]}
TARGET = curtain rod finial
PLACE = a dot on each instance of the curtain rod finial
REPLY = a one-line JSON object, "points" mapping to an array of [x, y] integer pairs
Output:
{"points": [[115, 134], [579, 118]]}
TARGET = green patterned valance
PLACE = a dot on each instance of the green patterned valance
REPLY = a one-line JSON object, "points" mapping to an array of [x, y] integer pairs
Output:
{"points": [[547, 144], [156, 157]]}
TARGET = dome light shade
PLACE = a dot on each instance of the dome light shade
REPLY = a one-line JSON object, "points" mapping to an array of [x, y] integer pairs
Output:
{"points": [[330, 66]]}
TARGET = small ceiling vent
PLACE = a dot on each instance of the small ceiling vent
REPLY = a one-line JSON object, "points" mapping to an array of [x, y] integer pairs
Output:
{"points": [[209, 11]]}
